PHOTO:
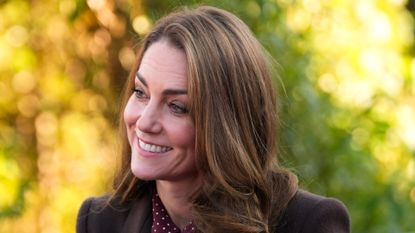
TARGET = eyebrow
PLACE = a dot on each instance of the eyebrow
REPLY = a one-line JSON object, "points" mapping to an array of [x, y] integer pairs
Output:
{"points": [[166, 91]]}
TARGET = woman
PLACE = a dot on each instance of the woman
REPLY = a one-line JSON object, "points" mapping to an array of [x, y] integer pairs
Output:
{"points": [[199, 127]]}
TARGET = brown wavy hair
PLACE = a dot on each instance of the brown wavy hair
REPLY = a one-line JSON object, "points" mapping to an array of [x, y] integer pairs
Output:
{"points": [[233, 106]]}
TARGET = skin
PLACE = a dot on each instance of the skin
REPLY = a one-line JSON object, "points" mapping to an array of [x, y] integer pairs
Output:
{"points": [[156, 114]]}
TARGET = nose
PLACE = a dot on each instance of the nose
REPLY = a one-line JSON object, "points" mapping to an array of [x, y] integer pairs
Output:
{"points": [[149, 120]]}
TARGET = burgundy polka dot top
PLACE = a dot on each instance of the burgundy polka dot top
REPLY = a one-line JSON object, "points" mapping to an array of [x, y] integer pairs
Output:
{"points": [[162, 222]]}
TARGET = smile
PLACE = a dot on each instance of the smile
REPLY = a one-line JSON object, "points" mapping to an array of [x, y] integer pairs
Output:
{"points": [[153, 148]]}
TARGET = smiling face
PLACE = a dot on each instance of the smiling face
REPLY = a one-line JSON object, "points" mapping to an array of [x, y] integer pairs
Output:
{"points": [[160, 130]]}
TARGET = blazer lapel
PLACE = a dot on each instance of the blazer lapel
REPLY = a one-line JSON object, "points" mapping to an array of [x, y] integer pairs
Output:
{"points": [[139, 219]]}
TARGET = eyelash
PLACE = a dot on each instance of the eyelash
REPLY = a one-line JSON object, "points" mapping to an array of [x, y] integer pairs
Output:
{"points": [[138, 93], [175, 108]]}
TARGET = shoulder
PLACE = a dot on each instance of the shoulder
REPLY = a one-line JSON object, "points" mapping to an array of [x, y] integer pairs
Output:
{"points": [[97, 214], [100, 214], [307, 212]]}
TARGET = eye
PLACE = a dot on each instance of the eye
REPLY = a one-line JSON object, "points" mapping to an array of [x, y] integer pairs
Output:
{"points": [[178, 108], [139, 93]]}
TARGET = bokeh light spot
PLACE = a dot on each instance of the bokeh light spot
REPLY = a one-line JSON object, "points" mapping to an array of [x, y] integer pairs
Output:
{"points": [[17, 36], [28, 105], [141, 24], [66, 7], [253, 9], [126, 57], [23, 82], [96, 5], [298, 20], [46, 125], [327, 83]]}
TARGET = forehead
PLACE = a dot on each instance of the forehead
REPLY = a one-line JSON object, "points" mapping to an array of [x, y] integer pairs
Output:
{"points": [[164, 61]]}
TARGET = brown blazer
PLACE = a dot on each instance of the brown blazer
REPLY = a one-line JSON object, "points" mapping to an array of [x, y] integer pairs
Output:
{"points": [[306, 213]]}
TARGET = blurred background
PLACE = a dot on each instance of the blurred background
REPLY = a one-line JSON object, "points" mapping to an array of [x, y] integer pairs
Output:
{"points": [[346, 94]]}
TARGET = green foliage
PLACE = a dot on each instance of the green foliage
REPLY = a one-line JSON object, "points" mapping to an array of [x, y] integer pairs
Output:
{"points": [[346, 99]]}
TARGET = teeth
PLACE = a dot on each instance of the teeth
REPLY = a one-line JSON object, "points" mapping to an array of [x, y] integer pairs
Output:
{"points": [[153, 148]]}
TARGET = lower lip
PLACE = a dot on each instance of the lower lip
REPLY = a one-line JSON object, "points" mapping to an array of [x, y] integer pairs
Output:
{"points": [[147, 154]]}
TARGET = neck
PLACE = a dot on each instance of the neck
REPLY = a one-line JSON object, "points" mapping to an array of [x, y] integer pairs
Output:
{"points": [[176, 197]]}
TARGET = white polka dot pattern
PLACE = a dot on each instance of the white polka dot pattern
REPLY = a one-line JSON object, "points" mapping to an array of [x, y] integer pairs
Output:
{"points": [[162, 222]]}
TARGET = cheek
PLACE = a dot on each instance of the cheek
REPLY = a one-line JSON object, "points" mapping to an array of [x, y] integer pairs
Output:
{"points": [[130, 115], [183, 135]]}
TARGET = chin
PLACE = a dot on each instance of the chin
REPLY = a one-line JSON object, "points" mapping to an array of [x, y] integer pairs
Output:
{"points": [[142, 175]]}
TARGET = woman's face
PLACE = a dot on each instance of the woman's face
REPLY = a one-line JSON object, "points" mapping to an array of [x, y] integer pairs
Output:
{"points": [[160, 130]]}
